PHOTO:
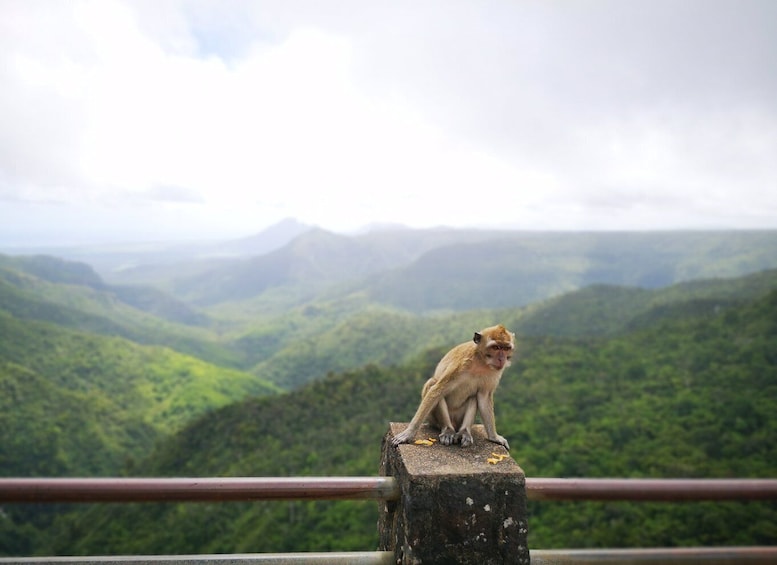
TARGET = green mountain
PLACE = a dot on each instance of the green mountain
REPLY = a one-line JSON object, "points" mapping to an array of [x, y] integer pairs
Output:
{"points": [[313, 260], [611, 380], [306, 343], [46, 427], [609, 310], [337, 329], [671, 390], [327, 302], [25, 271], [459, 270], [72, 295], [80, 392], [64, 390], [519, 268]]}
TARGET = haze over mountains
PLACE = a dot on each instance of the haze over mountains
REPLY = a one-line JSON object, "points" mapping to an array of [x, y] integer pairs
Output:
{"points": [[430, 269]]}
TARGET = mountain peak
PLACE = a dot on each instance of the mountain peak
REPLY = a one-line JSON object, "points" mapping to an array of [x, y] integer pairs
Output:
{"points": [[271, 238]]}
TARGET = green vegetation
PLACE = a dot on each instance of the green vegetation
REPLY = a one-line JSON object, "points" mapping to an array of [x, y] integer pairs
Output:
{"points": [[310, 341], [94, 402], [143, 315], [678, 381], [692, 397]]}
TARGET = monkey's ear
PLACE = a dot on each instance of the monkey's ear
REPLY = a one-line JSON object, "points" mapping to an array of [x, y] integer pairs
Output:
{"points": [[477, 337]]}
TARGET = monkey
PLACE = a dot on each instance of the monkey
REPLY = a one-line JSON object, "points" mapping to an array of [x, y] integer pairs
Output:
{"points": [[463, 384]]}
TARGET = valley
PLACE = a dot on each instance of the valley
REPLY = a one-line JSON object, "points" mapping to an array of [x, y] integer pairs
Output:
{"points": [[640, 354]]}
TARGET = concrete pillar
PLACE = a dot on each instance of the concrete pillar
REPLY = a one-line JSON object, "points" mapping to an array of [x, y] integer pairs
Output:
{"points": [[457, 505]]}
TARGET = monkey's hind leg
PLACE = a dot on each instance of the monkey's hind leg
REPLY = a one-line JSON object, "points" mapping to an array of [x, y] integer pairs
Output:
{"points": [[440, 418], [464, 435]]}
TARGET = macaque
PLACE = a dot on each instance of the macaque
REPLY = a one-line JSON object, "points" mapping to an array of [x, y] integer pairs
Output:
{"points": [[463, 384]]}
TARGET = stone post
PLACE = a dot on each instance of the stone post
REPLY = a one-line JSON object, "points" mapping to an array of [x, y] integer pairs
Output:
{"points": [[457, 505]]}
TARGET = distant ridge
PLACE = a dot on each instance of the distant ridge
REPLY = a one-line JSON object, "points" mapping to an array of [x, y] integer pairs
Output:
{"points": [[380, 226], [446, 269], [267, 240], [119, 262]]}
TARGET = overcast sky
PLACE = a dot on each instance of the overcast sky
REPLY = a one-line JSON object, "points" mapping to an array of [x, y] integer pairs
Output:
{"points": [[166, 119]]}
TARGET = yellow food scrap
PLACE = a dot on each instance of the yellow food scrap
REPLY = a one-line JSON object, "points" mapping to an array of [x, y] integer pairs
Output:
{"points": [[497, 458], [423, 442]]}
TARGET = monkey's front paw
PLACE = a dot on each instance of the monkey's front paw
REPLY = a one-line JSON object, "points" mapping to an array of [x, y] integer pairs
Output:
{"points": [[447, 436], [501, 441], [465, 438], [402, 437]]}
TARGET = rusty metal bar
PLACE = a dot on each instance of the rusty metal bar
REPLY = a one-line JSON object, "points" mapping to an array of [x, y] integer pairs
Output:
{"points": [[363, 488], [667, 490], [340, 558], [197, 489], [684, 555]]}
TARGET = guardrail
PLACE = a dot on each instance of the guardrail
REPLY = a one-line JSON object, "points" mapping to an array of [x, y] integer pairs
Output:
{"points": [[436, 506], [197, 489], [658, 490], [28, 490], [87, 490], [99, 490]]}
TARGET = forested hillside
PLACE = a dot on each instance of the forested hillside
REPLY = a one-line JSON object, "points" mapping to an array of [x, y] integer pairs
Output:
{"points": [[447, 269], [686, 392], [651, 380], [294, 314], [72, 295], [519, 268], [92, 402], [342, 335]]}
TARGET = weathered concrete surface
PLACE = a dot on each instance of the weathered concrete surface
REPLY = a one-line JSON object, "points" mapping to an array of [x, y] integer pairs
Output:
{"points": [[455, 506]]}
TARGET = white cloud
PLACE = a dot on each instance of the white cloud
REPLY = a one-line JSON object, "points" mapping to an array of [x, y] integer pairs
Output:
{"points": [[188, 117]]}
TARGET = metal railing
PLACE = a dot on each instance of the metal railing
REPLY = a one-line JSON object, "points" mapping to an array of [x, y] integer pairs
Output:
{"points": [[659, 490], [198, 489], [331, 558], [650, 556], [363, 488], [73, 490]]}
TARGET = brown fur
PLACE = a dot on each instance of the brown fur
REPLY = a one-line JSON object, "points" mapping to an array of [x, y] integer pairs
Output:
{"points": [[463, 384]]}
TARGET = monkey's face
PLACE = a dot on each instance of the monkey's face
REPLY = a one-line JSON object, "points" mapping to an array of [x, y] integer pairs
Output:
{"points": [[498, 354], [496, 345]]}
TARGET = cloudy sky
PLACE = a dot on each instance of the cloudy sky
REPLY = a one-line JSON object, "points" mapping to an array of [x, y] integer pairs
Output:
{"points": [[145, 120]]}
